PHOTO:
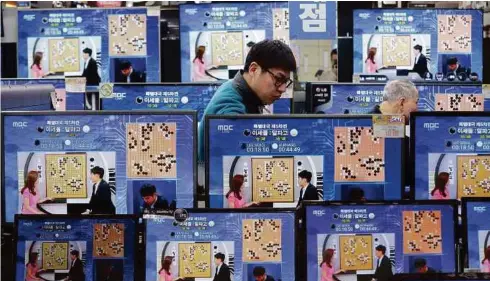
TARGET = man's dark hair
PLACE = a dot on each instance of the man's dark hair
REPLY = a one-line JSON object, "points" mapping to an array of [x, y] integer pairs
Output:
{"points": [[418, 47], [125, 65], [452, 60], [88, 51], [259, 271], [220, 256], [148, 190], [271, 54], [97, 171], [305, 175], [381, 248], [356, 194], [420, 263], [333, 52], [75, 253]]}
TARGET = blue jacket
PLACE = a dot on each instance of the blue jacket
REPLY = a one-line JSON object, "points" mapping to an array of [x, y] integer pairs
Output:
{"points": [[232, 97]]}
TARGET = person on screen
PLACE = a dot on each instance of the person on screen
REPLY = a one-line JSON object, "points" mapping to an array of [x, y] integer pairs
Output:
{"points": [[326, 266], [164, 272], [485, 268], [32, 269], [308, 191], [152, 202], [30, 195], [454, 67], [36, 68], [421, 267], [129, 74], [222, 272], [90, 71], [265, 77], [383, 266], [235, 196], [76, 272], [420, 61], [260, 274], [370, 64], [100, 201], [198, 67], [440, 191], [356, 194]]}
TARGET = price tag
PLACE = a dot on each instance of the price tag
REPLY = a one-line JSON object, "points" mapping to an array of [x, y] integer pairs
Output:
{"points": [[389, 126], [75, 84]]}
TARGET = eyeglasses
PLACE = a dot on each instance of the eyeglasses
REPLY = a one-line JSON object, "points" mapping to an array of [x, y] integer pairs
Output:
{"points": [[280, 80]]}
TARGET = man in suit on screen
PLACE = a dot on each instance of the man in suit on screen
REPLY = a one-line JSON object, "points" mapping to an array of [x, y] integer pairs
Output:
{"points": [[222, 272], [383, 267], [101, 201], [76, 270]]}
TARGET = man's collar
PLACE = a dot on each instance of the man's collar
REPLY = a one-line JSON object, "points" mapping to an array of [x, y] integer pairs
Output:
{"points": [[251, 100]]}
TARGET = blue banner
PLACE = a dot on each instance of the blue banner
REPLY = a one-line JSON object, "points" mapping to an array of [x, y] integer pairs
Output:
{"points": [[313, 20], [115, 37]]}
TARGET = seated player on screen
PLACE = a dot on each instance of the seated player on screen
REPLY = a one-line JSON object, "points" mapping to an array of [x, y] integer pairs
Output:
{"points": [[235, 196], [308, 191], [383, 266], [129, 74], [421, 266], [486, 261], [100, 201], [222, 272], [327, 266], [153, 203], [454, 67], [260, 274], [265, 77], [356, 194], [76, 269], [440, 191], [30, 195]]}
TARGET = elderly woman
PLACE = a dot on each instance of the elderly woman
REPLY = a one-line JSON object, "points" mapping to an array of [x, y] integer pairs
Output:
{"points": [[400, 98]]}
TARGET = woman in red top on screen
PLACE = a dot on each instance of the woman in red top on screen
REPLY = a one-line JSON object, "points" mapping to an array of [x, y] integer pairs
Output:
{"points": [[32, 269], [369, 64], [486, 261], [327, 266], [36, 68], [30, 196], [440, 191], [198, 67], [235, 195], [164, 272]]}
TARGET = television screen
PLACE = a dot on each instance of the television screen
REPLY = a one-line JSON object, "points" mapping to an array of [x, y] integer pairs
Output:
{"points": [[245, 240], [362, 98], [268, 153], [58, 84], [79, 248], [450, 152], [418, 44], [441, 277], [476, 224], [187, 96], [356, 236], [53, 162]]}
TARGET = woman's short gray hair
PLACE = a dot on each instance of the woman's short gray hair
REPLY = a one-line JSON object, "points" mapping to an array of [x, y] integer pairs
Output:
{"points": [[400, 89]]}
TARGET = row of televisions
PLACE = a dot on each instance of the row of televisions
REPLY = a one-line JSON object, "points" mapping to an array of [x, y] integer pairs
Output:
{"points": [[158, 148], [288, 244]]}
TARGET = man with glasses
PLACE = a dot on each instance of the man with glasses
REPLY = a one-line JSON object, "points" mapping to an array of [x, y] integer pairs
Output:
{"points": [[265, 77]]}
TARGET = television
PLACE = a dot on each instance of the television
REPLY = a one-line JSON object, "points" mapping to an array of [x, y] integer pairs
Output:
{"points": [[245, 239], [270, 151], [60, 152], [451, 149], [88, 247], [476, 231], [406, 232]]}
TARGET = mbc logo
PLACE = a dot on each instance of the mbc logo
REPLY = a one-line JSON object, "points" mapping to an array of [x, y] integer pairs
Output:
{"points": [[319, 213], [480, 209], [119, 96], [21, 125], [431, 126], [225, 128]]}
